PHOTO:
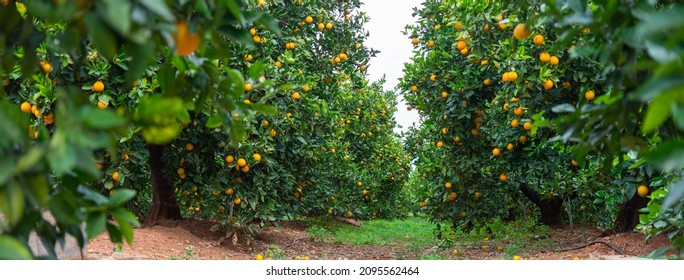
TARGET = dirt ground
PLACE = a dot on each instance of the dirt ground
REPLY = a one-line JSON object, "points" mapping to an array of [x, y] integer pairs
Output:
{"points": [[192, 239]]}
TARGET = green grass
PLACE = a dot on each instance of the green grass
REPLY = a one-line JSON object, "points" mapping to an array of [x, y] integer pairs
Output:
{"points": [[413, 232]]}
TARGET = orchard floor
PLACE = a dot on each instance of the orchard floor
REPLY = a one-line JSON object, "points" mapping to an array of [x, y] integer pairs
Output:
{"points": [[192, 239]]}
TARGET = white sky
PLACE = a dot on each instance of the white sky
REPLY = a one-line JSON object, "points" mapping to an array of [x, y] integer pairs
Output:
{"points": [[387, 21]]}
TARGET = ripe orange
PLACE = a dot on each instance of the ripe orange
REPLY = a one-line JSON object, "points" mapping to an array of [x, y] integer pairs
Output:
{"points": [[229, 191], [295, 95], [642, 190], [329, 26], [464, 51], [517, 258], [574, 162], [186, 42], [527, 125], [544, 57], [496, 152], [433, 77], [477, 195], [245, 169], [440, 144], [115, 176], [241, 162], [189, 146], [553, 60], [518, 111], [256, 157], [486, 27], [414, 88], [521, 32], [589, 95], [514, 123], [538, 40], [458, 26], [431, 44], [256, 39], [248, 86], [102, 105], [26, 107], [278, 64], [362, 68], [487, 82], [512, 76], [509, 146], [252, 31], [181, 171], [445, 94], [321, 26], [461, 44], [46, 66], [308, 19], [447, 185], [49, 119], [272, 133], [237, 201], [548, 84], [503, 177], [522, 139], [98, 86]]}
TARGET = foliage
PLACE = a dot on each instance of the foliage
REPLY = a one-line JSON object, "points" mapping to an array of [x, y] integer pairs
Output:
{"points": [[53, 53]]}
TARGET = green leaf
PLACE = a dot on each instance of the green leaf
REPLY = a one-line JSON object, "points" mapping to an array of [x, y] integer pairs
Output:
{"points": [[675, 196], [214, 122], [12, 202], [61, 155], [92, 195], [667, 156], [117, 13], [62, 210], [256, 70], [100, 119], [235, 10], [233, 84], [658, 111], [114, 233], [184, 116], [13, 249], [142, 55], [270, 22], [126, 221], [121, 196], [678, 116], [264, 109], [654, 87], [237, 132], [160, 8], [103, 40], [95, 224], [38, 189]]}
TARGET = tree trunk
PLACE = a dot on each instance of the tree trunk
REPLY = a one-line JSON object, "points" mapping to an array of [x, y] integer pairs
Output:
{"points": [[164, 205], [550, 208], [628, 217]]}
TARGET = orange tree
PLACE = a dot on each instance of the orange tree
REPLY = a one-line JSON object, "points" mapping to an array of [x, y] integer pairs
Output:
{"points": [[299, 159], [485, 82], [65, 66], [640, 113]]}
